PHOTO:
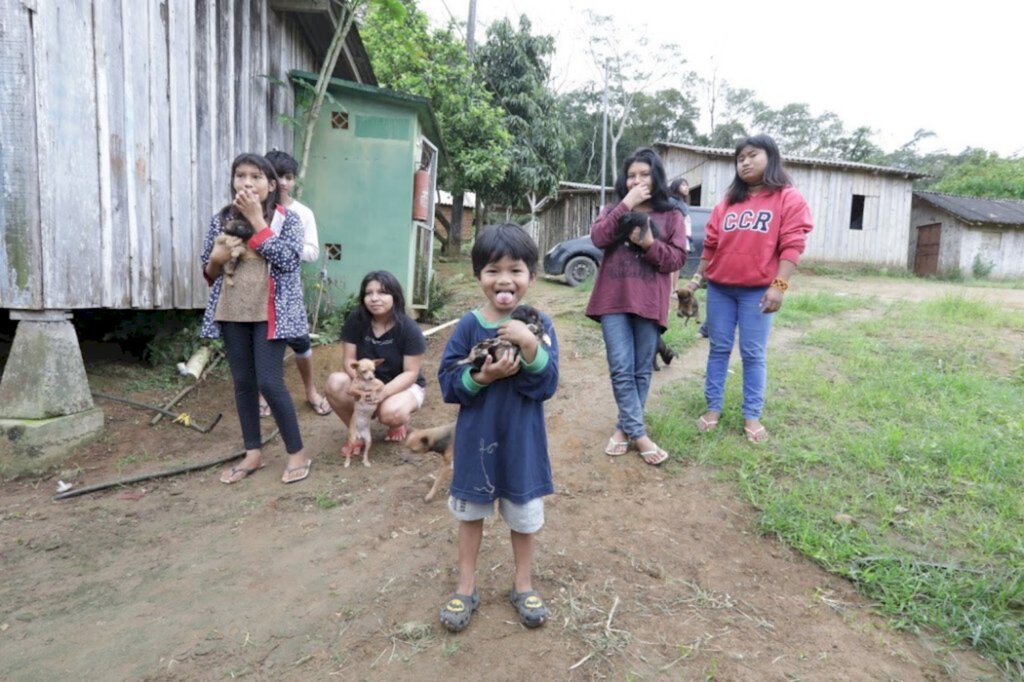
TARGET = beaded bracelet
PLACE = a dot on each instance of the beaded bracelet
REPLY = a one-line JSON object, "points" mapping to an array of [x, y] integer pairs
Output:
{"points": [[780, 284]]}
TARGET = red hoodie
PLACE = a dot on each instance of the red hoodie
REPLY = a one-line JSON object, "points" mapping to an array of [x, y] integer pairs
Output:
{"points": [[744, 242]]}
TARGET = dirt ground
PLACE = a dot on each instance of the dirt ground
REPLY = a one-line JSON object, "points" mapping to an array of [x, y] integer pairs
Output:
{"points": [[651, 573]]}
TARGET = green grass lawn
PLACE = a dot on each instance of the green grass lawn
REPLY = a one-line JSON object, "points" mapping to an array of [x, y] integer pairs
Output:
{"points": [[896, 458]]}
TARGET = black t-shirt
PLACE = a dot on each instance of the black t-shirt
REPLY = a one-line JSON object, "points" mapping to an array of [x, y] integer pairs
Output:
{"points": [[405, 338]]}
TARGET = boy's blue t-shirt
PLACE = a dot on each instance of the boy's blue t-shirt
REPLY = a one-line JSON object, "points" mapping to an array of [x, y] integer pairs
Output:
{"points": [[501, 443]]}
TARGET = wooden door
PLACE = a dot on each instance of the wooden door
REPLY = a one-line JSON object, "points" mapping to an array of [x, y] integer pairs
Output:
{"points": [[926, 258]]}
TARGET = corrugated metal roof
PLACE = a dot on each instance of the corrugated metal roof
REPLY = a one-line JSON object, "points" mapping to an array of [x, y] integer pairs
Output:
{"points": [[805, 161], [565, 186], [976, 210]]}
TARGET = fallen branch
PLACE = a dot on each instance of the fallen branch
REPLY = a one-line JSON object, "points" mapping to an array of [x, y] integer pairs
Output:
{"points": [[159, 474], [179, 418], [185, 391]]}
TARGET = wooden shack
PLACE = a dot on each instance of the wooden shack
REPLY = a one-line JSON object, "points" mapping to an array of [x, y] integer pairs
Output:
{"points": [[120, 120], [568, 213], [957, 235], [861, 212]]}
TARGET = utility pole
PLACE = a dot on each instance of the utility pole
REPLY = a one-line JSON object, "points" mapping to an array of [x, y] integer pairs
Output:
{"points": [[478, 206], [604, 134], [471, 30]]}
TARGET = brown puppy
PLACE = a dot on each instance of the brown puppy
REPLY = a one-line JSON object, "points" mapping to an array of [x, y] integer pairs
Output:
{"points": [[689, 307], [235, 234], [440, 439], [365, 388]]}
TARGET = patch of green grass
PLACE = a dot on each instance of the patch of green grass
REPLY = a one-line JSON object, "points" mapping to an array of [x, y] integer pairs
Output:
{"points": [[799, 309], [325, 500], [896, 460]]}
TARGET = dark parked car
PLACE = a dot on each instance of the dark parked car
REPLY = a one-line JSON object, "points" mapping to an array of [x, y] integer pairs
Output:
{"points": [[578, 258]]}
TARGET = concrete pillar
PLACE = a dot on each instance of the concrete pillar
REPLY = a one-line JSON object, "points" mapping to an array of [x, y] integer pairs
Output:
{"points": [[46, 409]]}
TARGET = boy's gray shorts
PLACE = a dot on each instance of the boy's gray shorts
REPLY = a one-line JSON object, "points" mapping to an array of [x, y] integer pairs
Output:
{"points": [[522, 518]]}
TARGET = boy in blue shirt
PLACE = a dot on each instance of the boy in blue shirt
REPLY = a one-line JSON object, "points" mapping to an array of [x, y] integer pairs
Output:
{"points": [[501, 448]]}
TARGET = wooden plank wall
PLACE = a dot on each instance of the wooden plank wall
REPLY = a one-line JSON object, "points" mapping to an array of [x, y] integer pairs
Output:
{"points": [[20, 253], [829, 191], [115, 149], [567, 217]]}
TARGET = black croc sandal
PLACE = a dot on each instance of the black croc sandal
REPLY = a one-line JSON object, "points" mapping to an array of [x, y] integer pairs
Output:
{"points": [[457, 611], [531, 608]]}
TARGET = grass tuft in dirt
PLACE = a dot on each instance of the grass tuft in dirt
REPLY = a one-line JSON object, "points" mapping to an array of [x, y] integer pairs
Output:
{"points": [[896, 459]]}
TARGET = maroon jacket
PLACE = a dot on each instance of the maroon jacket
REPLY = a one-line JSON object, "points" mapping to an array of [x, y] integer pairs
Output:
{"points": [[630, 281]]}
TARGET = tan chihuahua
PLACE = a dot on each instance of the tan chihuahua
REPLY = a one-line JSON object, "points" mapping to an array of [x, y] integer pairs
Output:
{"points": [[365, 388]]}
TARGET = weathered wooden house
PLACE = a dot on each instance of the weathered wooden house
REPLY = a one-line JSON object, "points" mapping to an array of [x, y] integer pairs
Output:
{"points": [[861, 212], [120, 120], [967, 235], [568, 213], [118, 124]]}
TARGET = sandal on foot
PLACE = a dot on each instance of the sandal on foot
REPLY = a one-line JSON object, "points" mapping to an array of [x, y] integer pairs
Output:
{"points": [[457, 611], [303, 468], [396, 435], [265, 411], [758, 435], [704, 424], [323, 408], [616, 447], [531, 608], [228, 478], [654, 457]]}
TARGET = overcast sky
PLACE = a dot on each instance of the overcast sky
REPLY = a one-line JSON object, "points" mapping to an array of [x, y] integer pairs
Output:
{"points": [[956, 69]]}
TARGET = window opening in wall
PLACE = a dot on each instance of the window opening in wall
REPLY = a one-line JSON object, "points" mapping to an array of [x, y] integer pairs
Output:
{"points": [[695, 195], [857, 212], [339, 120]]}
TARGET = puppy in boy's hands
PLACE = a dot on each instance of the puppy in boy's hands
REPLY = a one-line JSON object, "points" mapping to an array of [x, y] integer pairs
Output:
{"points": [[366, 388], [235, 233], [496, 347]]}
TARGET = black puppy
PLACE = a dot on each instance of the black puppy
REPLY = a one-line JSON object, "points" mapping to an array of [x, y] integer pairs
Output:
{"points": [[496, 347], [630, 222]]}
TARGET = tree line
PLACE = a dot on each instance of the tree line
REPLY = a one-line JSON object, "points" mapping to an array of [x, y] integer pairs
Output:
{"points": [[511, 137]]}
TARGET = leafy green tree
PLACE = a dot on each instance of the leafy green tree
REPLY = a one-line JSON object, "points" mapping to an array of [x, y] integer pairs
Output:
{"points": [[514, 65], [985, 174], [408, 57], [581, 121]]}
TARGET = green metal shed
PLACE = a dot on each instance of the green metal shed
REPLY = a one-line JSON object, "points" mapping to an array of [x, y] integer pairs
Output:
{"points": [[368, 147]]}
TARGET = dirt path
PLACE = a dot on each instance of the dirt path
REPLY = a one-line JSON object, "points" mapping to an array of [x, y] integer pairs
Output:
{"points": [[652, 573]]}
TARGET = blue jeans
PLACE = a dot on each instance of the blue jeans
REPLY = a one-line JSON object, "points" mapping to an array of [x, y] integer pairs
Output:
{"points": [[630, 342], [727, 308]]}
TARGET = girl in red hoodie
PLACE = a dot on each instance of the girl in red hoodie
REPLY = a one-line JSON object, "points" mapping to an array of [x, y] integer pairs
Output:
{"points": [[754, 239]]}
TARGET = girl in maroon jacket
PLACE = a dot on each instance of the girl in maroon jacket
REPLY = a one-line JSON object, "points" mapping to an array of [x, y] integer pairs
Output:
{"points": [[753, 242], [631, 292]]}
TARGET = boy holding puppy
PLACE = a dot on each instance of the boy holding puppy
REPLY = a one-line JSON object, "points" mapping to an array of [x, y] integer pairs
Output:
{"points": [[501, 449]]}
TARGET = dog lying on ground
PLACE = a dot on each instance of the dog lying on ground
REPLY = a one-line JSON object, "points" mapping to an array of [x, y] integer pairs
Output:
{"points": [[495, 347], [440, 440], [365, 388], [689, 307], [235, 233]]}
